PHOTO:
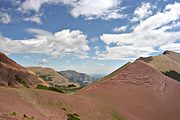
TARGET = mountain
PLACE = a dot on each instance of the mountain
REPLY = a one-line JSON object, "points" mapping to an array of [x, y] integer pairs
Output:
{"points": [[14, 75], [138, 92], [168, 63], [135, 91], [52, 77], [81, 78], [173, 55]]}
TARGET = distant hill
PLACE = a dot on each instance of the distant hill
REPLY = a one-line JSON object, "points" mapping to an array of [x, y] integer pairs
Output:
{"points": [[52, 77], [168, 63], [81, 78], [14, 75]]}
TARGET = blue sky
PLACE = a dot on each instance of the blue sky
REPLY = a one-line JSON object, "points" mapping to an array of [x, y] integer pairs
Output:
{"points": [[91, 36]]}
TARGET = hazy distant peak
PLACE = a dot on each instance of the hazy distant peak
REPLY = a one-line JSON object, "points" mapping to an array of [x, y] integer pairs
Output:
{"points": [[74, 76]]}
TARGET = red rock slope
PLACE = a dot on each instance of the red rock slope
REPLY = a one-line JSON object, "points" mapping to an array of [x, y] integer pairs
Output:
{"points": [[139, 92], [14, 75]]}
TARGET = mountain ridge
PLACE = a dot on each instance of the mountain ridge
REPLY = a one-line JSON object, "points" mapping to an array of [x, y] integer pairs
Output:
{"points": [[167, 63]]}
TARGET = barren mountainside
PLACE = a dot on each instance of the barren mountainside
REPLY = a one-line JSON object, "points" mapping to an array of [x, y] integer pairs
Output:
{"points": [[138, 92], [14, 75], [168, 63], [134, 92]]}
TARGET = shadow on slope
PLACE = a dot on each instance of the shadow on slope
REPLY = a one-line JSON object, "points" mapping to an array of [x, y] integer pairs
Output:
{"points": [[172, 74]]}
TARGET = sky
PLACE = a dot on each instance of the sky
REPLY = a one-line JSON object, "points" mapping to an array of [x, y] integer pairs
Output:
{"points": [[89, 36]]}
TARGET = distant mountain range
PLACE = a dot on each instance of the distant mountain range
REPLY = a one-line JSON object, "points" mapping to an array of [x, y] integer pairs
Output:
{"points": [[81, 78]]}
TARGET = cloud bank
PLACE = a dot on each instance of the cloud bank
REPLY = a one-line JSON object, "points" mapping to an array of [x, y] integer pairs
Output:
{"points": [[54, 44], [153, 34], [89, 9]]}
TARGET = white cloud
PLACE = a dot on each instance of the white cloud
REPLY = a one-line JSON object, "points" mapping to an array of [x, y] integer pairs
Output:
{"points": [[36, 5], [170, 14], [39, 32], [142, 12], [149, 36], [35, 18], [172, 46], [90, 9], [32, 5], [120, 29], [5, 18], [124, 53], [58, 44], [43, 62]]}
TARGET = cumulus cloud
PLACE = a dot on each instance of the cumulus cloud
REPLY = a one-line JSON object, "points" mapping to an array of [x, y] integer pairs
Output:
{"points": [[142, 12], [150, 35], [90, 9], [120, 29], [36, 5], [28, 5], [5, 18], [55, 44]]}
